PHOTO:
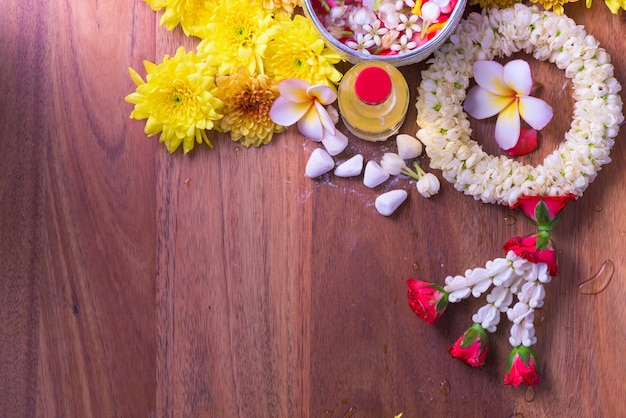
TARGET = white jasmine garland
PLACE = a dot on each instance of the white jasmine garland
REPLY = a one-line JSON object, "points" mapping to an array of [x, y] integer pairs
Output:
{"points": [[445, 128], [511, 277]]}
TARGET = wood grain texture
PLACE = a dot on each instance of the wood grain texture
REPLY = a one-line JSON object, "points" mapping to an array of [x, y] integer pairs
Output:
{"points": [[225, 283]]}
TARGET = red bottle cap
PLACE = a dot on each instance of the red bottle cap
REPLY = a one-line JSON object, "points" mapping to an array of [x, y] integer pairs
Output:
{"points": [[372, 85]]}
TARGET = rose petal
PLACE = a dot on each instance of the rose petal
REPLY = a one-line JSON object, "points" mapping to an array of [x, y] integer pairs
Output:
{"points": [[535, 112], [526, 144], [482, 104], [488, 75], [294, 90], [516, 75], [287, 113], [508, 127], [311, 126], [323, 93]]}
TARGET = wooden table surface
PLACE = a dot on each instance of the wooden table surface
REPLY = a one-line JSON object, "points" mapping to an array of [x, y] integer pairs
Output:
{"points": [[225, 283]]}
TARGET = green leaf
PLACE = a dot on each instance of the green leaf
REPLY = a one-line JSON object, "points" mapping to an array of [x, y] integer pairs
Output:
{"points": [[543, 239], [542, 214]]}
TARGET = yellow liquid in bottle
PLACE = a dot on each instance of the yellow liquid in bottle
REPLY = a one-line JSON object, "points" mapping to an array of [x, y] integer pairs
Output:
{"points": [[373, 122]]}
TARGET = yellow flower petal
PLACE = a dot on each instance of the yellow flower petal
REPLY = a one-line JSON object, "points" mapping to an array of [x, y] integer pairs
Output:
{"points": [[482, 104], [324, 94], [488, 75], [311, 125], [508, 127], [286, 113], [294, 90]]}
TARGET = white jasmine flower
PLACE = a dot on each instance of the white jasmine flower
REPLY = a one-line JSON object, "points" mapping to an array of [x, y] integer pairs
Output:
{"points": [[392, 163], [428, 185]]}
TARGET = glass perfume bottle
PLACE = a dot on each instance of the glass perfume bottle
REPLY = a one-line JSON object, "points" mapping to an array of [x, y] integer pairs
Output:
{"points": [[373, 99]]}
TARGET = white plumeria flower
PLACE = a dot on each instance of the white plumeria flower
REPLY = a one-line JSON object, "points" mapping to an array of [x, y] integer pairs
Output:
{"points": [[305, 104], [505, 90]]}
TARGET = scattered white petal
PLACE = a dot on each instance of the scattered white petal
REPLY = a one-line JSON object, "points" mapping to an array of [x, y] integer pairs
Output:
{"points": [[374, 174], [334, 144], [351, 167], [387, 203], [408, 147], [320, 162]]}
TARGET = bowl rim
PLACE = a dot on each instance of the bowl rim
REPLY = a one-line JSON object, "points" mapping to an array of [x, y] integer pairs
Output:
{"points": [[425, 50]]}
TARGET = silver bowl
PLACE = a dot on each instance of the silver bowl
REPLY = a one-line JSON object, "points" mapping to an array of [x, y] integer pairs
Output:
{"points": [[418, 54]]}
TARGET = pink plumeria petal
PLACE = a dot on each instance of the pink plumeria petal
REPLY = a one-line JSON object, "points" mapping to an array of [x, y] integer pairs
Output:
{"points": [[482, 104], [311, 125], [535, 112], [287, 113], [294, 90], [325, 118], [516, 76], [488, 75], [324, 94], [508, 127]]}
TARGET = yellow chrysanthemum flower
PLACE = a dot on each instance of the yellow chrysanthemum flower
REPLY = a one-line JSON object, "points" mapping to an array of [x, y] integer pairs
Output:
{"points": [[286, 5], [239, 33], [613, 5], [247, 103], [500, 4], [555, 5], [177, 99], [192, 15], [298, 52]]}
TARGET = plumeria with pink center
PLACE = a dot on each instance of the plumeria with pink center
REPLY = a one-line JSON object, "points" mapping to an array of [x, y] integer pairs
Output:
{"points": [[504, 90], [514, 286]]}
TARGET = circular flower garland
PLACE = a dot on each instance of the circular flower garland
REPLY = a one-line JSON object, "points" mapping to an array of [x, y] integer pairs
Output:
{"points": [[445, 128], [541, 192]]}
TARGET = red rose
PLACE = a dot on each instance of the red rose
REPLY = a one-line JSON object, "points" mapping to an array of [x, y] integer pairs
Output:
{"points": [[526, 143], [543, 210], [522, 367], [471, 347], [526, 248], [427, 300]]}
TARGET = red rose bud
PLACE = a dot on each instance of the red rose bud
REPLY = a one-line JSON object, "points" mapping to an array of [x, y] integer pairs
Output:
{"points": [[543, 210], [472, 346], [522, 367], [526, 143], [427, 300], [526, 248]]}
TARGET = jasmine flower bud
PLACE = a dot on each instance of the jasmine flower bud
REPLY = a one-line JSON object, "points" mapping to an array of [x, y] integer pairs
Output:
{"points": [[428, 185]]}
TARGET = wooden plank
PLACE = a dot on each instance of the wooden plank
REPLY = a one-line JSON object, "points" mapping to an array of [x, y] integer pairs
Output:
{"points": [[225, 283]]}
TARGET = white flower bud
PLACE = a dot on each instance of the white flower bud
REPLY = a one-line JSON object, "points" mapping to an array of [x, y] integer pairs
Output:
{"points": [[392, 163], [320, 162], [351, 167], [428, 185]]}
